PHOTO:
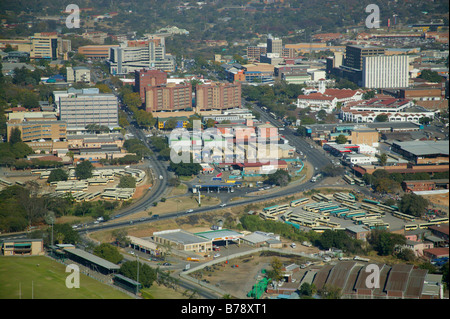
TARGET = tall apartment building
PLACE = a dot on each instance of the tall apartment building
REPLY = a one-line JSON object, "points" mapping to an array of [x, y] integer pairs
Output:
{"points": [[96, 51], [218, 96], [168, 97], [80, 110], [385, 71], [78, 74], [145, 78], [44, 46], [254, 52], [354, 55], [274, 45], [152, 54]]}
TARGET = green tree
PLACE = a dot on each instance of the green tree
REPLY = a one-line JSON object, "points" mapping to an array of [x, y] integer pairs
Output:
{"points": [[384, 243], [383, 159], [127, 182], [381, 118], [147, 275], [15, 136], [341, 139], [84, 170], [57, 175], [275, 273], [280, 178], [413, 204], [108, 252]]}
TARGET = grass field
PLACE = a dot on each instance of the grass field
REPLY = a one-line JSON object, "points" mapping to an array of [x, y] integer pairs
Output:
{"points": [[48, 278]]}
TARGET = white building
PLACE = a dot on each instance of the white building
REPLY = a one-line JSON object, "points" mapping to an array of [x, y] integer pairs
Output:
{"points": [[327, 99], [396, 110], [385, 71], [124, 60], [78, 74]]}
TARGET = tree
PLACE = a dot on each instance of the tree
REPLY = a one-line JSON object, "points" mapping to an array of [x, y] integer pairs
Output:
{"points": [[383, 242], [383, 159], [84, 170], [15, 136], [127, 182], [431, 76], [275, 273], [280, 178], [147, 275], [185, 169], [341, 139], [108, 252], [413, 204], [381, 118], [57, 175]]}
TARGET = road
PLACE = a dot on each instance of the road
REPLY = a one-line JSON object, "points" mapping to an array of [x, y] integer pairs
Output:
{"points": [[313, 155]]}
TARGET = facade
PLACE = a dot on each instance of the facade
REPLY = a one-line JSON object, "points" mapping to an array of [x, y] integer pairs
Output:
{"points": [[96, 51], [145, 78], [275, 45], [44, 46], [254, 52], [355, 54], [15, 247], [218, 96], [80, 110], [78, 74], [182, 240], [385, 71], [169, 97], [37, 130], [125, 60]]}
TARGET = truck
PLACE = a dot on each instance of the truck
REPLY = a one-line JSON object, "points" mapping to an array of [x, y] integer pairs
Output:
{"points": [[187, 267], [161, 177], [315, 178], [192, 259]]}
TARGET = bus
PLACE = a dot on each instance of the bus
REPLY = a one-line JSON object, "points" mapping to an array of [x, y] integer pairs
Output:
{"points": [[336, 211], [351, 215], [350, 206], [388, 209], [349, 180], [321, 229], [299, 202], [434, 222], [411, 227], [374, 202], [359, 181], [273, 115], [404, 216]]}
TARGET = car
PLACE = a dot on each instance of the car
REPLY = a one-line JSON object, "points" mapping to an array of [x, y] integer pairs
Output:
{"points": [[189, 211], [223, 205], [216, 255], [167, 264]]}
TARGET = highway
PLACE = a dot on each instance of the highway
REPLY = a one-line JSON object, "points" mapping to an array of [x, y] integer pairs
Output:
{"points": [[314, 156]]}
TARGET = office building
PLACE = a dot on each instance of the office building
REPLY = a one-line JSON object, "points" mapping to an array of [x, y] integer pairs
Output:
{"points": [[355, 54], [218, 96], [38, 130], [168, 97], [44, 46], [274, 45], [382, 72], [96, 51], [151, 54], [79, 110], [254, 52]]}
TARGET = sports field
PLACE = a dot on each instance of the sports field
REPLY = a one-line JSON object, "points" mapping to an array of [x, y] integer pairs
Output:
{"points": [[43, 278]]}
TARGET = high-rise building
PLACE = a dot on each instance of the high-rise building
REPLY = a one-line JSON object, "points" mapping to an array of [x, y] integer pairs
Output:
{"points": [[145, 78], [382, 72], [79, 110], [151, 54], [44, 46], [354, 55], [274, 45], [218, 96], [168, 97], [254, 52]]}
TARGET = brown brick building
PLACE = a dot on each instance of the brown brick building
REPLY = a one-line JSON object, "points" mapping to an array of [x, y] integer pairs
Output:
{"points": [[144, 78], [218, 96], [168, 97]]}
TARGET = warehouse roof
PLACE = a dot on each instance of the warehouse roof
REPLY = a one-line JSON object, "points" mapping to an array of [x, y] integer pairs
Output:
{"points": [[92, 258], [420, 148]]}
